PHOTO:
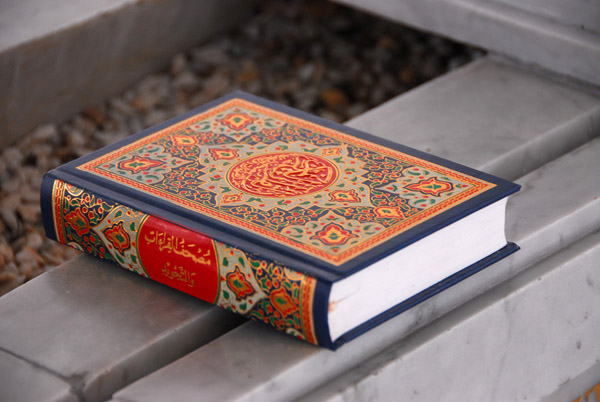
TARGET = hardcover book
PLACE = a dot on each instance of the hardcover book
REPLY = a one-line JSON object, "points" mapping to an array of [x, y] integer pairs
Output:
{"points": [[314, 228]]}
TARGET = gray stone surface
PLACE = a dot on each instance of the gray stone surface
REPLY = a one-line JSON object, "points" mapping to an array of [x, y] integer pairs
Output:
{"points": [[101, 326], [58, 57], [69, 329], [518, 342], [41, 19], [265, 365], [558, 203], [529, 32], [582, 14], [23, 381], [552, 211], [585, 386], [499, 118]]}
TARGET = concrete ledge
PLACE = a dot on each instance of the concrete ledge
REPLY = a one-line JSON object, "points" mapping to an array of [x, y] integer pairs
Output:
{"points": [[530, 34], [24, 381], [518, 342], [582, 386], [60, 56], [88, 328], [478, 115], [490, 115], [269, 366], [550, 212]]}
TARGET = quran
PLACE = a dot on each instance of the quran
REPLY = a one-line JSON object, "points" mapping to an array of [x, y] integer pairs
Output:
{"points": [[316, 229]]}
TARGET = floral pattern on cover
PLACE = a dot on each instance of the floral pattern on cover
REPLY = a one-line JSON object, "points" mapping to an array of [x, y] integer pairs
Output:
{"points": [[186, 260], [326, 193]]}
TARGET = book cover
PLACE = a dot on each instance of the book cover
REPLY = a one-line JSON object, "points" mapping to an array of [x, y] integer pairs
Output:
{"points": [[260, 208]]}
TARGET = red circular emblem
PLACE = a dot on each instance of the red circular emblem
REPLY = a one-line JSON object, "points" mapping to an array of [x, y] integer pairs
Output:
{"points": [[282, 174]]}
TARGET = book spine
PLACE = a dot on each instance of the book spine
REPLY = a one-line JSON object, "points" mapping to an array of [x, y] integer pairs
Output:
{"points": [[181, 258]]}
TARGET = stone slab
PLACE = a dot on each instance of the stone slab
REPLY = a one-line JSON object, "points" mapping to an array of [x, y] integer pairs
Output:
{"points": [[102, 326], [265, 365], [558, 203], [585, 386], [23, 381], [262, 363], [518, 342], [529, 33], [58, 57], [45, 19], [582, 14], [502, 119]]}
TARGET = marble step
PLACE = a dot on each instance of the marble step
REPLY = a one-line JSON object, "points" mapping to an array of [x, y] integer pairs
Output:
{"points": [[25, 381], [585, 386], [59, 56], [496, 117], [98, 353], [520, 341], [563, 37], [551, 211], [88, 328]]}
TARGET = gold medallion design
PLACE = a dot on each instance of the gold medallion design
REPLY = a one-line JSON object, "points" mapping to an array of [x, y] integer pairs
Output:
{"points": [[282, 175]]}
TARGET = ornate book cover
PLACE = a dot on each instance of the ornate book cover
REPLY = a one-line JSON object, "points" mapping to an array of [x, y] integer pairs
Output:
{"points": [[260, 208]]}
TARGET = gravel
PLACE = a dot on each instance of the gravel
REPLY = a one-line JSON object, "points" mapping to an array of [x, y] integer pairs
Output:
{"points": [[316, 56]]}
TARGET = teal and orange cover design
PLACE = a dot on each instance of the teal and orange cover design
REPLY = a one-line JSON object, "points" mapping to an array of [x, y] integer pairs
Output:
{"points": [[323, 192], [249, 205]]}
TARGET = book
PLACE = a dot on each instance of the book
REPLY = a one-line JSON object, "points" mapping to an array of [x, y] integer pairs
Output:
{"points": [[314, 228]]}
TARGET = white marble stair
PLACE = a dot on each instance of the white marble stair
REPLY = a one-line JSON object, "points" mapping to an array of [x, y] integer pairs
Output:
{"points": [[552, 211], [88, 328], [556, 35], [58, 57], [118, 327], [25, 381], [520, 341], [501, 119]]}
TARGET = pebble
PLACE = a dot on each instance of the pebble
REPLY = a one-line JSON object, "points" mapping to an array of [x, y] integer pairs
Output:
{"points": [[317, 56], [75, 139], [178, 64], [44, 133], [334, 98], [209, 55], [29, 213], [155, 116], [12, 158], [95, 114], [186, 81], [10, 220], [11, 278], [7, 277], [34, 241], [6, 254], [119, 107], [11, 185], [29, 195], [85, 126], [27, 256], [10, 202]]}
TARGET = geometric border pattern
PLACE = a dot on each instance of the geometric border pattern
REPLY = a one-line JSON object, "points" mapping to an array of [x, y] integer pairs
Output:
{"points": [[210, 137], [247, 284]]}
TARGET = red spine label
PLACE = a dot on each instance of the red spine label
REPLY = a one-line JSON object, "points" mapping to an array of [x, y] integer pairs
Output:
{"points": [[179, 258]]}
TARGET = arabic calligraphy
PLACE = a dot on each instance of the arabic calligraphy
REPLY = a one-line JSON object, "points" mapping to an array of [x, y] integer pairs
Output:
{"points": [[179, 274], [283, 174], [177, 245]]}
